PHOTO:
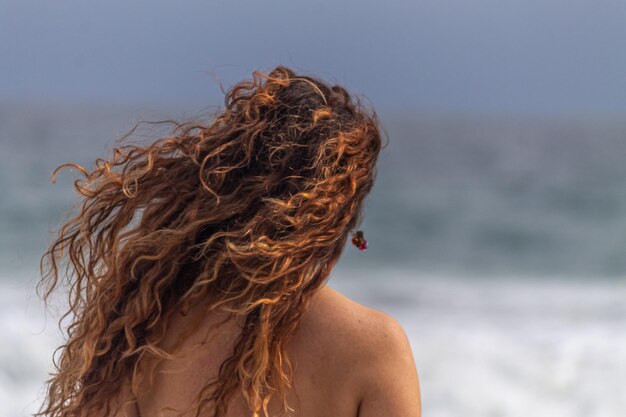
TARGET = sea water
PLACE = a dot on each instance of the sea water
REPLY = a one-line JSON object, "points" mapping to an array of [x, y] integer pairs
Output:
{"points": [[498, 243]]}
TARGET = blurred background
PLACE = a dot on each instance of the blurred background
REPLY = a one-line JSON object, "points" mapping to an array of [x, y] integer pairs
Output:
{"points": [[497, 227]]}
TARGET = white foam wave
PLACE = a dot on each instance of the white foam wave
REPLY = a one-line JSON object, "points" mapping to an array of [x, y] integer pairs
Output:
{"points": [[509, 347]]}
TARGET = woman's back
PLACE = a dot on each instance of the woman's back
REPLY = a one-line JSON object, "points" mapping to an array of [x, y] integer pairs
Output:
{"points": [[247, 214], [349, 360]]}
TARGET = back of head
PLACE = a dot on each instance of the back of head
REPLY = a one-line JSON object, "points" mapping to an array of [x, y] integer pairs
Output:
{"points": [[247, 214]]}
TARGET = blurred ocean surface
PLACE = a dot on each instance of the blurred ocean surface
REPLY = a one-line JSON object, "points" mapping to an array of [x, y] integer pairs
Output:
{"points": [[499, 243]]}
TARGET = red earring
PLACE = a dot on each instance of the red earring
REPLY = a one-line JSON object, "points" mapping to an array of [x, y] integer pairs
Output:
{"points": [[358, 240]]}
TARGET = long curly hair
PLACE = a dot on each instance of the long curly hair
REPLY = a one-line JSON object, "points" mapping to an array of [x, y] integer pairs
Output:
{"points": [[246, 214]]}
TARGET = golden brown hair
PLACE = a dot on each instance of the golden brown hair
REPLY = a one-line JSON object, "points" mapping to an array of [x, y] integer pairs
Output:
{"points": [[247, 214]]}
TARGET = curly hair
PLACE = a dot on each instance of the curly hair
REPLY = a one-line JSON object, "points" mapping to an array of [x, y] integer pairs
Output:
{"points": [[247, 214]]}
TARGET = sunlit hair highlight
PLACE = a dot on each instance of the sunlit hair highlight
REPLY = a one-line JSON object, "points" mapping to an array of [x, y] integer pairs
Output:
{"points": [[246, 214]]}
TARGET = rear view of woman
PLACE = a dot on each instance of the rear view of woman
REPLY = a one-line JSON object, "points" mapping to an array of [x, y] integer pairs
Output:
{"points": [[197, 264]]}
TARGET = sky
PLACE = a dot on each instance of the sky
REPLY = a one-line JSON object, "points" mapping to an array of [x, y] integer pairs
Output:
{"points": [[479, 56]]}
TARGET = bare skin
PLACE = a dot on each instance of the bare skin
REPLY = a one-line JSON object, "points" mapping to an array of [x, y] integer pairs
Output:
{"points": [[349, 361]]}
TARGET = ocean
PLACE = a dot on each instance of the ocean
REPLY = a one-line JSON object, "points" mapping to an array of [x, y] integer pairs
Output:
{"points": [[499, 243]]}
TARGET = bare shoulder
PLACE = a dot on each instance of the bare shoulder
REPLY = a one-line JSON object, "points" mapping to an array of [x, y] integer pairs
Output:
{"points": [[355, 324], [371, 346]]}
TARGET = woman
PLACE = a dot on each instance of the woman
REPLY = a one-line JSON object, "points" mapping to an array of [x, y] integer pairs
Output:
{"points": [[196, 269]]}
